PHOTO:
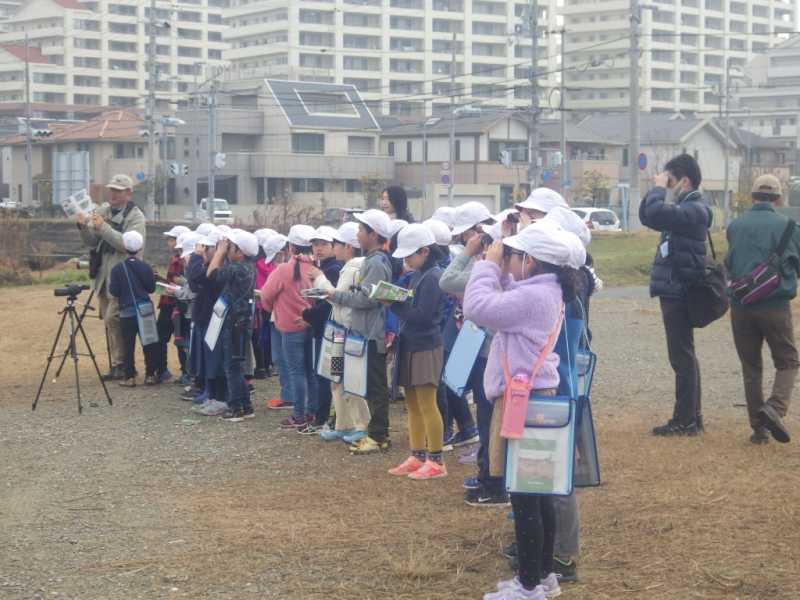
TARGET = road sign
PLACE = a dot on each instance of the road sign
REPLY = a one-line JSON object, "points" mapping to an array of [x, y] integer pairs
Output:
{"points": [[546, 175], [174, 169], [642, 161], [445, 178], [140, 176]]}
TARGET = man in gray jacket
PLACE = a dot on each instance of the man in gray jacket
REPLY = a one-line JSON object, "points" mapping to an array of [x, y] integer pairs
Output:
{"points": [[368, 319], [102, 232]]}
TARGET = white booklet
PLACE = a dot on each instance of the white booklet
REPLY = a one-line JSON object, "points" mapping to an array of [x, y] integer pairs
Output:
{"points": [[79, 203], [389, 292]]}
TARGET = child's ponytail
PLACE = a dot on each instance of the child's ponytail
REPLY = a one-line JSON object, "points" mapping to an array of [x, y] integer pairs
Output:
{"points": [[568, 280]]}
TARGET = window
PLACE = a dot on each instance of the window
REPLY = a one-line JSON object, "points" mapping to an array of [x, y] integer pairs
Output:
{"points": [[663, 55], [115, 46], [125, 150], [661, 94], [362, 85], [316, 38], [122, 101], [760, 11], [186, 52], [308, 143], [126, 28], [189, 34], [214, 19], [518, 149], [85, 81], [625, 157], [308, 185], [214, 36], [397, 65], [316, 61], [86, 44], [121, 83], [190, 16], [86, 25], [489, 8], [446, 46], [458, 150], [409, 155], [327, 103], [362, 63], [90, 99], [390, 149], [49, 78], [409, 4], [361, 20], [122, 65], [406, 45], [121, 9], [316, 17], [406, 87], [363, 42], [87, 62], [447, 26], [480, 49], [491, 70], [407, 23], [479, 28], [215, 54], [360, 145], [352, 186]]}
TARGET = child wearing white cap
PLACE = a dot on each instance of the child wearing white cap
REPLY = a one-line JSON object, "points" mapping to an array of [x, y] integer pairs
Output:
{"points": [[420, 357], [369, 320], [519, 291], [540, 202], [131, 282], [166, 307], [352, 412]]}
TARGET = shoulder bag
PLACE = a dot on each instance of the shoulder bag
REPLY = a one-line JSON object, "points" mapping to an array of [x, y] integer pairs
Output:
{"points": [[759, 283], [145, 315], [707, 295]]}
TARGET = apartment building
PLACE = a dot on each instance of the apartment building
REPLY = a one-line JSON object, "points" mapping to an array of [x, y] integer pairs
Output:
{"points": [[96, 51], [397, 53], [768, 104], [8, 9], [684, 43]]}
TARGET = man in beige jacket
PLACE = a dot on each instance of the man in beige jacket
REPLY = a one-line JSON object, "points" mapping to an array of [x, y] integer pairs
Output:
{"points": [[102, 232]]}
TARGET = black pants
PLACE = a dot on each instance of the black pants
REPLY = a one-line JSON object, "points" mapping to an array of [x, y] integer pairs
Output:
{"points": [[130, 330], [535, 532], [680, 346], [165, 331], [377, 394]]}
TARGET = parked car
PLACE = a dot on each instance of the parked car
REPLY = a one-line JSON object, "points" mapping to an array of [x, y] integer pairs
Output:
{"points": [[222, 212], [599, 219]]}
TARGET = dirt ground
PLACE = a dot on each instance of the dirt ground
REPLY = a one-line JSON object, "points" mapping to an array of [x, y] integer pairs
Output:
{"points": [[146, 500]]}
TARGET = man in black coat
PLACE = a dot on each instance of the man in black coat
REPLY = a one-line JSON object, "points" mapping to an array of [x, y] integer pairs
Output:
{"points": [[676, 208]]}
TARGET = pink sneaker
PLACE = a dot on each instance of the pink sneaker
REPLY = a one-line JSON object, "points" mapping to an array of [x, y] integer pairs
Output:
{"points": [[430, 470], [408, 466]]}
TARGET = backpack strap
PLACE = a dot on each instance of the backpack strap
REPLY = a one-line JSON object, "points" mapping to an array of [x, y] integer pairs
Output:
{"points": [[711, 244]]}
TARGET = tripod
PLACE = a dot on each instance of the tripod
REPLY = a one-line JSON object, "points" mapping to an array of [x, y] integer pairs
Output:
{"points": [[75, 326]]}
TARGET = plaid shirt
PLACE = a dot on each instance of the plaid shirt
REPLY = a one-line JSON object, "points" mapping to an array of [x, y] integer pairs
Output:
{"points": [[174, 270]]}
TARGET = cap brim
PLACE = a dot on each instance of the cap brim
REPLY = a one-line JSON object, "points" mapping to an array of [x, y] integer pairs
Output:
{"points": [[404, 252], [318, 238], [513, 241], [119, 188], [459, 229]]}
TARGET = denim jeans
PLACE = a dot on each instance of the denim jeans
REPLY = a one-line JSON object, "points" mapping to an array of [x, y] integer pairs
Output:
{"points": [[233, 361], [298, 356], [276, 347]]}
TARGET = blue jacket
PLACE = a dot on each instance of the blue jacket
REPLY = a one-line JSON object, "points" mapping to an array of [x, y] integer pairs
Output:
{"points": [[684, 227], [142, 283]]}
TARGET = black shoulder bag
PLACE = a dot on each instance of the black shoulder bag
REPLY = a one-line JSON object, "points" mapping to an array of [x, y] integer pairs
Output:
{"points": [[96, 254], [707, 295]]}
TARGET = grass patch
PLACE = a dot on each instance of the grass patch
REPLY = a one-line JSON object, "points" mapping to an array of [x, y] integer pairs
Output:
{"points": [[623, 259]]}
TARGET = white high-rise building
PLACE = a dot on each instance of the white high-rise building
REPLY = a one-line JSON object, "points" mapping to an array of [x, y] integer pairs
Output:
{"points": [[396, 52], [96, 52], [8, 9], [684, 45]]}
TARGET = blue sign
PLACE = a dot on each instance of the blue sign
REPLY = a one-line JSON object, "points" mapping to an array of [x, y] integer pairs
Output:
{"points": [[642, 161], [445, 179], [140, 176], [546, 175]]}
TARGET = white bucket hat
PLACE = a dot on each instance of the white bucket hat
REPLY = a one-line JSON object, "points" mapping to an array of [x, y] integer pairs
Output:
{"points": [[377, 220], [412, 238], [245, 241], [468, 215], [263, 233], [548, 242], [132, 241], [440, 230], [187, 242], [174, 232], [301, 235], [543, 199], [348, 234], [571, 222], [324, 233], [272, 245]]}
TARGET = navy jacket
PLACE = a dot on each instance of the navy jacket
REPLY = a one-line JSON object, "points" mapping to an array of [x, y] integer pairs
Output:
{"points": [[320, 311], [143, 283], [206, 290], [421, 315], [684, 227]]}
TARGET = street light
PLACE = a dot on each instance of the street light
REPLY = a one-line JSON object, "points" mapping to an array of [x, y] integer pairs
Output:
{"points": [[461, 111]]}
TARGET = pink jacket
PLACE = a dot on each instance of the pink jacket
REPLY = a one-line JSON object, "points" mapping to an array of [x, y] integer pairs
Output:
{"points": [[263, 270], [523, 314], [281, 295]]}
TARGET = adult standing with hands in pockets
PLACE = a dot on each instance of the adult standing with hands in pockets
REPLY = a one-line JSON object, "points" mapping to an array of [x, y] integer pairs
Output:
{"points": [[675, 207], [102, 232]]}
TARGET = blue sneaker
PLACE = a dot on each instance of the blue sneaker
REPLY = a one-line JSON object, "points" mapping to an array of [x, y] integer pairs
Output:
{"points": [[463, 438], [200, 398], [354, 437], [331, 435], [165, 376]]}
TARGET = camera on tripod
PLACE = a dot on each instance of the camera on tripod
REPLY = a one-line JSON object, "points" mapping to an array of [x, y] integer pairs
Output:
{"points": [[72, 290]]}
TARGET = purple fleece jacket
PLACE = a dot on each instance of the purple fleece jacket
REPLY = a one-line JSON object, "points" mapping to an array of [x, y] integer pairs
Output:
{"points": [[523, 314]]}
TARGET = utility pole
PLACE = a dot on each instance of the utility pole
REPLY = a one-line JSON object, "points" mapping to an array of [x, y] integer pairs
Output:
{"points": [[212, 149], [565, 183], [27, 201], [533, 134], [633, 149], [164, 147], [726, 200], [196, 146], [452, 120], [150, 113]]}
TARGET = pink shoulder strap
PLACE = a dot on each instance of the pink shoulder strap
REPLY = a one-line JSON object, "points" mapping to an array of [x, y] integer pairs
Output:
{"points": [[546, 350]]}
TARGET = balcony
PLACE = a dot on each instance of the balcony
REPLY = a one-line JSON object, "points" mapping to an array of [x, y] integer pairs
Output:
{"points": [[241, 121], [315, 166]]}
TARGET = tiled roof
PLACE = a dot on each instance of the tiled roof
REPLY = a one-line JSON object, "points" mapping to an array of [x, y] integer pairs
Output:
{"points": [[18, 50], [113, 125]]}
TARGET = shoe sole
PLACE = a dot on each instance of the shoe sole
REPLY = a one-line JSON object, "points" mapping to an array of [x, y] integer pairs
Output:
{"points": [[439, 476], [778, 431], [489, 504], [468, 442]]}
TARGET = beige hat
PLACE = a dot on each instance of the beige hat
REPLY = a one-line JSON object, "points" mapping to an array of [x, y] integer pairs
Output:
{"points": [[767, 184], [120, 182]]}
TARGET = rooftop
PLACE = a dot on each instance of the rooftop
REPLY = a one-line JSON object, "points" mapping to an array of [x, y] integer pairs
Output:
{"points": [[112, 125]]}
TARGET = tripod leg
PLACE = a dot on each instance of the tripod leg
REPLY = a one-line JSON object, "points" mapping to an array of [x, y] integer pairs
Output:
{"points": [[73, 348], [50, 359], [80, 322], [94, 362]]}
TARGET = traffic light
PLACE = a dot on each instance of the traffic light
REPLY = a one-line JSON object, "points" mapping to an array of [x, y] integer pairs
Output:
{"points": [[41, 133]]}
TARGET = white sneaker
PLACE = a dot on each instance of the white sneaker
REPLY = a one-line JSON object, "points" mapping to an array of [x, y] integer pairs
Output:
{"points": [[512, 590], [551, 586], [214, 409]]}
